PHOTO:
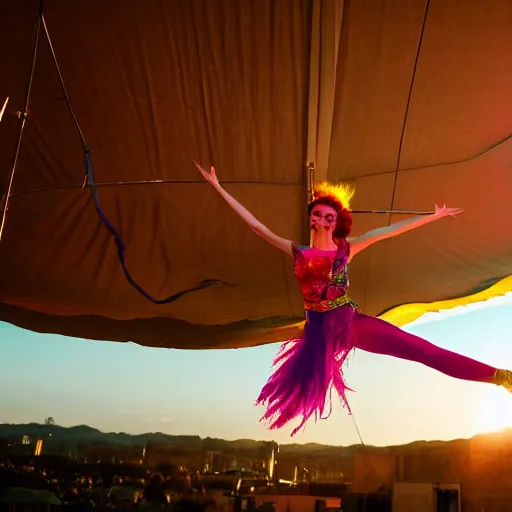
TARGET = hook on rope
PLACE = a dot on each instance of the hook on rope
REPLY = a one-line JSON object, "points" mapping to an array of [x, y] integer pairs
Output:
{"points": [[22, 115]]}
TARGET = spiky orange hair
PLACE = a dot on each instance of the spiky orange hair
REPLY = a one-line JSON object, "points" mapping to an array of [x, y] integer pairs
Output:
{"points": [[341, 192]]}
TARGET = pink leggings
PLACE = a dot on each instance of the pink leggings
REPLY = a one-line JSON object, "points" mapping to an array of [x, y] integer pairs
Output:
{"points": [[374, 335]]}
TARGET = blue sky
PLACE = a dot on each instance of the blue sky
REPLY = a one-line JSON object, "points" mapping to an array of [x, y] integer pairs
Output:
{"points": [[125, 387]]}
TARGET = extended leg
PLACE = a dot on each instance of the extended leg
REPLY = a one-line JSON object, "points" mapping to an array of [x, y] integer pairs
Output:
{"points": [[380, 337]]}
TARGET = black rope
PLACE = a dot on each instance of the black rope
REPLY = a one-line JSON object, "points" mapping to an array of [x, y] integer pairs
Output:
{"points": [[357, 429], [23, 116], [391, 211], [408, 104], [89, 181], [181, 182]]}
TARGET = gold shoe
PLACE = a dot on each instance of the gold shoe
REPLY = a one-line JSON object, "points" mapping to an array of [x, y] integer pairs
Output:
{"points": [[503, 378]]}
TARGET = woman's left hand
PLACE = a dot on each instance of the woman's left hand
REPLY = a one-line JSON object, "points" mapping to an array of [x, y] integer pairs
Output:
{"points": [[444, 211], [210, 177]]}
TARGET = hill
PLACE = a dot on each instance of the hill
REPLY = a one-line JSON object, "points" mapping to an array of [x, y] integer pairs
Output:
{"points": [[84, 434]]}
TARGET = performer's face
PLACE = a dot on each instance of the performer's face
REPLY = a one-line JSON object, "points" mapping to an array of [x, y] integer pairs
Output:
{"points": [[322, 219]]}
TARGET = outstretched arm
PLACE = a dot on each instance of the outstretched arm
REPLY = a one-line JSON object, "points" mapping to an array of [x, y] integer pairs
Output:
{"points": [[259, 228], [360, 243]]}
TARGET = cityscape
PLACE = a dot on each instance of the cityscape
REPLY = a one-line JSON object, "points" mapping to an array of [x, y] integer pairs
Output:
{"points": [[81, 466]]}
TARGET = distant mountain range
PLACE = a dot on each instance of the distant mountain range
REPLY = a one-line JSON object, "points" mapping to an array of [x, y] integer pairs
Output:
{"points": [[83, 434], [86, 434]]}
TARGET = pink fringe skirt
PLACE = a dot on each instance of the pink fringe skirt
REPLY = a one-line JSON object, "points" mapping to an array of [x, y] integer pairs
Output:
{"points": [[308, 369]]}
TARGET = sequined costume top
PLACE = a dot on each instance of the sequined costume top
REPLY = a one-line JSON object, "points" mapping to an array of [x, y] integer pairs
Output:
{"points": [[322, 276]]}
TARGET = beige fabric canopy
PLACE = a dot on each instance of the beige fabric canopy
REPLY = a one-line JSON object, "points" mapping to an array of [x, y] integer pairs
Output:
{"points": [[408, 100]]}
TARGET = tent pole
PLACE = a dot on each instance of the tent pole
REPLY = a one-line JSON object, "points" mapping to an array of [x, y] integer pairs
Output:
{"points": [[3, 108]]}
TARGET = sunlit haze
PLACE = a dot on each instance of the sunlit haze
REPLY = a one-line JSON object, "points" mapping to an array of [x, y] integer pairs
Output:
{"points": [[126, 387]]}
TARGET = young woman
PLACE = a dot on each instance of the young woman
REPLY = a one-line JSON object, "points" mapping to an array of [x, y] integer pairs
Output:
{"points": [[306, 369]]}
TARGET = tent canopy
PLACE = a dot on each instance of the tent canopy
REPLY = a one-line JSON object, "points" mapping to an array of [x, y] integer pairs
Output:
{"points": [[407, 100]]}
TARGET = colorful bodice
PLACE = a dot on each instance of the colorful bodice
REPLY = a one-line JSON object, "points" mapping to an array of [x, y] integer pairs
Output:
{"points": [[322, 276]]}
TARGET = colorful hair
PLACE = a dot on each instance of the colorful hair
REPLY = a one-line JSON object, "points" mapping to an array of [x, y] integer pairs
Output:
{"points": [[337, 197], [341, 193]]}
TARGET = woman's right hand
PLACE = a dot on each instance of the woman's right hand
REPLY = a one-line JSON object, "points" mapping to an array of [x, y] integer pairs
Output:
{"points": [[210, 177]]}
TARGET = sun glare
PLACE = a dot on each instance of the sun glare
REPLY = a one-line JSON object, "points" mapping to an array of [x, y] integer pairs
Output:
{"points": [[495, 410]]}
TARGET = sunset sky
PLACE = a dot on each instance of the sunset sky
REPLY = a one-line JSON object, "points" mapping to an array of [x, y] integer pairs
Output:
{"points": [[125, 387]]}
